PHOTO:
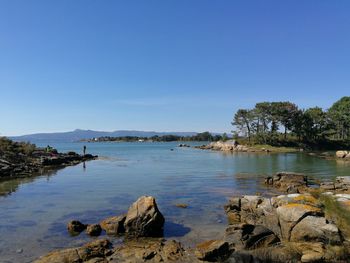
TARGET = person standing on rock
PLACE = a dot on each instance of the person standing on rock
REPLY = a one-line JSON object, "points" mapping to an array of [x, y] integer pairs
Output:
{"points": [[84, 149]]}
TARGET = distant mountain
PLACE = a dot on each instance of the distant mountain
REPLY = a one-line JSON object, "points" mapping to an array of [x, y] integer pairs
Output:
{"points": [[78, 134]]}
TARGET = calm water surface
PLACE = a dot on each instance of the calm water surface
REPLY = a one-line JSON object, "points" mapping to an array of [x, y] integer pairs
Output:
{"points": [[33, 216]]}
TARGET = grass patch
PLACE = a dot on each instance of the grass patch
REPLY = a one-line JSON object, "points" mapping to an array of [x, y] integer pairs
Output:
{"points": [[335, 212], [278, 149]]}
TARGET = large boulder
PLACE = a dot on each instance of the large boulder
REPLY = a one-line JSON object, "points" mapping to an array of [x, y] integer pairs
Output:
{"points": [[144, 219], [291, 214], [313, 228], [341, 154]]}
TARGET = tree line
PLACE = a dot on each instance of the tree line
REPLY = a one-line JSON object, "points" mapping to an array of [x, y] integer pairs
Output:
{"points": [[203, 136], [273, 122]]}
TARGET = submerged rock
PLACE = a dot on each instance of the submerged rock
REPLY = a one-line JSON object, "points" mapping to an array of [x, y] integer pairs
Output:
{"points": [[144, 219], [181, 205], [75, 227]]}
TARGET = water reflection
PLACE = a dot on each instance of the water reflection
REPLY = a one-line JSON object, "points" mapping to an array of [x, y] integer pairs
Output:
{"points": [[9, 186]]}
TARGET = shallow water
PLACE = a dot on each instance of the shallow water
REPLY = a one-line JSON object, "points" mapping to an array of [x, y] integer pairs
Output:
{"points": [[34, 214]]}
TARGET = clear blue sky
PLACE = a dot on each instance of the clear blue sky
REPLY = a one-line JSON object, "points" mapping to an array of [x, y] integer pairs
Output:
{"points": [[165, 65]]}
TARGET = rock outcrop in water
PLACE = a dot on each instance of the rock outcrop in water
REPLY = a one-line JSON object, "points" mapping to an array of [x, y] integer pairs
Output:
{"points": [[24, 159], [341, 184], [75, 227], [288, 182], [228, 146], [343, 154], [144, 218]]}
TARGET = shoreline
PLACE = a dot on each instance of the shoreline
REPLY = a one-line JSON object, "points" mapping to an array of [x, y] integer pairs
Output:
{"points": [[298, 225], [40, 163], [156, 247], [232, 146]]}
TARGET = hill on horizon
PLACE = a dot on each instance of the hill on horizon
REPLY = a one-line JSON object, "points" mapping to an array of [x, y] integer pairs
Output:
{"points": [[78, 134]]}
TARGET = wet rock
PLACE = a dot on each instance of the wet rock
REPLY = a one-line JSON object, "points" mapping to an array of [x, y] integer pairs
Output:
{"points": [[213, 250], [114, 225], [144, 218], [93, 230], [287, 181], [75, 227], [234, 204], [341, 184], [246, 236]]}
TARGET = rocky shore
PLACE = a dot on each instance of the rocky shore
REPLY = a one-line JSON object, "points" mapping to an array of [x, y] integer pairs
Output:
{"points": [[26, 160], [234, 146], [231, 145], [345, 155], [298, 226]]}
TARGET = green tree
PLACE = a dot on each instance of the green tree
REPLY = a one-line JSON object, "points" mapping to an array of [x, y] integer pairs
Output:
{"points": [[317, 124], [263, 118], [224, 137], [339, 114], [243, 121], [286, 112]]}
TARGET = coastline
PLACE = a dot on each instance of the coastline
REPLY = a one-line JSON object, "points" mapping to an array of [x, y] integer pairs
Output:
{"points": [[156, 248], [232, 146], [21, 165], [298, 225]]}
